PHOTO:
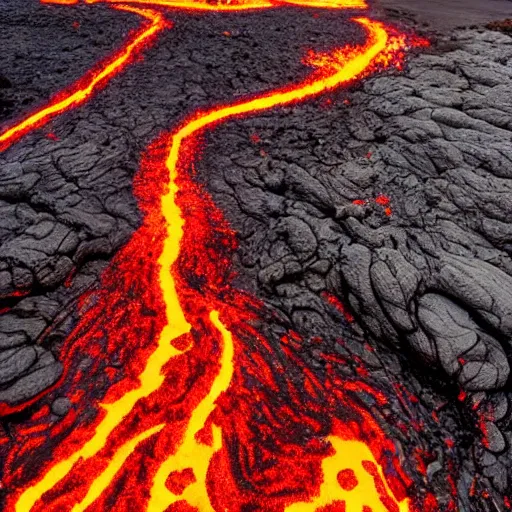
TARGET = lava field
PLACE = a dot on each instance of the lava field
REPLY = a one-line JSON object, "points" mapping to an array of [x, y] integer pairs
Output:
{"points": [[255, 255]]}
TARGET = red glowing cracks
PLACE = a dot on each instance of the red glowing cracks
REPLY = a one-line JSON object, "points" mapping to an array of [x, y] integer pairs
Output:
{"points": [[387, 500], [334, 301], [381, 200]]}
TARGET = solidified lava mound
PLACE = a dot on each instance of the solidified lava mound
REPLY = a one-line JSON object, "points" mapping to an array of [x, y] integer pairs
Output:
{"points": [[326, 281]]}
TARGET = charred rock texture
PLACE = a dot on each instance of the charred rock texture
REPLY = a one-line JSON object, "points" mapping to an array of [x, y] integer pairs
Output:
{"points": [[49, 224], [377, 218]]}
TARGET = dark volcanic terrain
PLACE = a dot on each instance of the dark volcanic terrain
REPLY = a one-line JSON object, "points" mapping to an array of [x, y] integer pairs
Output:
{"points": [[448, 14], [393, 195]]}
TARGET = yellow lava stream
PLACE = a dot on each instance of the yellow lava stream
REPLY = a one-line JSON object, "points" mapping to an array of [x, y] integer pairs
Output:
{"points": [[349, 455], [101, 483], [191, 453], [151, 378], [242, 5], [196, 5], [87, 86]]}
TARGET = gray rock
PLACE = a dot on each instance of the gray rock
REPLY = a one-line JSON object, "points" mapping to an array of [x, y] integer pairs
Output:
{"points": [[61, 406], [299, 237], [493, 438], [396, 282], [464, 350], [13, 324], [272, 274], [14, 362], [31, 384], [482, 286], [10, 340], [22, 277], [5, 283]]}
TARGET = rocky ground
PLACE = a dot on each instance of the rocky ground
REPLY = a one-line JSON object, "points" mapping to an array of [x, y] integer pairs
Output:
{"points": [[443, 15], [393, 196]]}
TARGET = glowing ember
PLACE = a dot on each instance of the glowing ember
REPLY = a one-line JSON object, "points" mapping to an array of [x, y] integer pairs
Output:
{"points": [[180, 429]]}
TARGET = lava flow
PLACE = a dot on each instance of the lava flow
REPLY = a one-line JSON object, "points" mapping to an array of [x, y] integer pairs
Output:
{"points": [[201, 412], [94, 80]]}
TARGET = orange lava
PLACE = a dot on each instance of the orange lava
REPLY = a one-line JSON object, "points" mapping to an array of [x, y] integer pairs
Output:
{"points": [[60, 2], [329, 4], [201, 412], [199, 5]]}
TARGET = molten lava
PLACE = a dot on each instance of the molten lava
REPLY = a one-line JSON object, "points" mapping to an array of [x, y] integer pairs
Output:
{"points": [[362, 486], [331, 4], [202, 413], [229, 5], [193, 454]]}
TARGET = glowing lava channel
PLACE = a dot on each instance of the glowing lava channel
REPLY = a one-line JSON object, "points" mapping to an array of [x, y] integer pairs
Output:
{"points": [[342, 67], [89, 84], [237, 5], [196, 5], [331, 4], [192, 454]]}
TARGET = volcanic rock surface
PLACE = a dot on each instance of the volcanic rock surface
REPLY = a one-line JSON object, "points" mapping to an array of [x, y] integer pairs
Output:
{"points": [[448, 14], [392, 198]]}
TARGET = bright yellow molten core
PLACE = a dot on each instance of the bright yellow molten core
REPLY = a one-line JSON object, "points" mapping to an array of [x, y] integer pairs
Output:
{"points": [[349, 455], [192, 454]]}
